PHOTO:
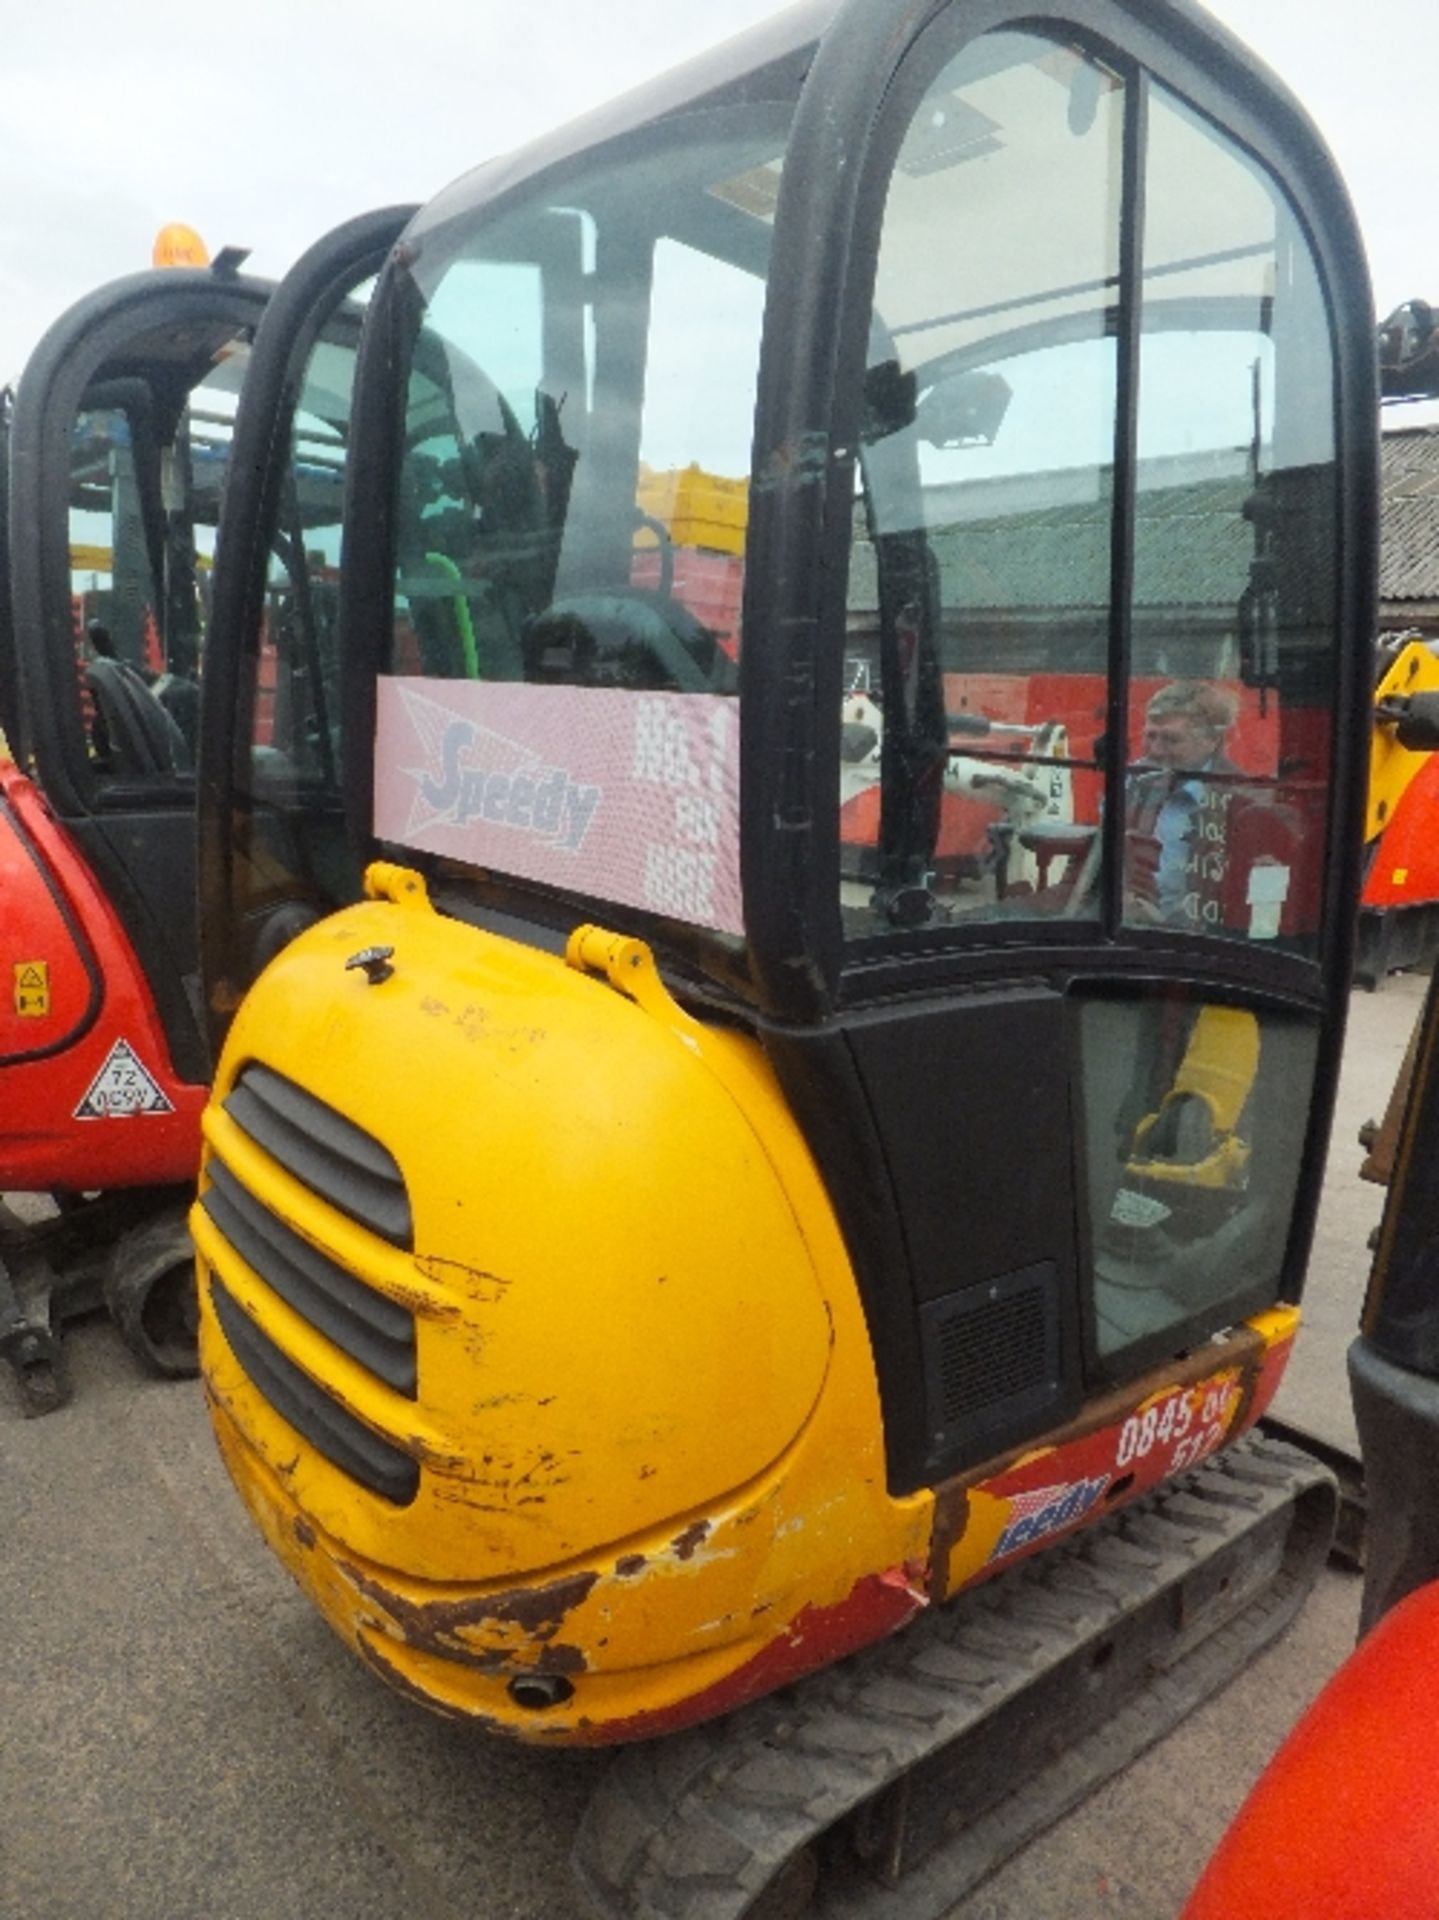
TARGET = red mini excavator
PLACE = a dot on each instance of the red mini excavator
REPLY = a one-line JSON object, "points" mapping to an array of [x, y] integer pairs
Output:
{"points": [[116, 450]]}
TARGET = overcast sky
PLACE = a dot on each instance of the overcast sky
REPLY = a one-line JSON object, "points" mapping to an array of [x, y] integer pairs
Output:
{"points": [[263, 124]]}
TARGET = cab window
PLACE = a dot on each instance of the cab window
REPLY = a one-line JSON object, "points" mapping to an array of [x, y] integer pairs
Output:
{"points": [[1232, 677], [147, 468], [979, 593], [989, 645], [294, 700], [561, 697], [285, 842]]}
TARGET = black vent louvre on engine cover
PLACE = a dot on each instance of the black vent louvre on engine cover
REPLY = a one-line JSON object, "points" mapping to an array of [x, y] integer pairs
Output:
{"points": [[373, 1330], [992, 1362], [331, 1429], [338, 1161]]}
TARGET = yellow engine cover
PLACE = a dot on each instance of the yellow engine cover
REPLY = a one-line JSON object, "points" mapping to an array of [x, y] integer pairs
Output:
{"points": [[640, 1356]]}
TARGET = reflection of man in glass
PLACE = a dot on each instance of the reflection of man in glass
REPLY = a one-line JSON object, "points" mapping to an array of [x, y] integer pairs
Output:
{"points": [[1184, 1132], [1171, 797]]}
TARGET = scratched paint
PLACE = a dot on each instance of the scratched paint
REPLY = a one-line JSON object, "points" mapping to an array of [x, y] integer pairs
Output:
{"points": [[537, 1611], [876, 1606], [1006, 1511]]}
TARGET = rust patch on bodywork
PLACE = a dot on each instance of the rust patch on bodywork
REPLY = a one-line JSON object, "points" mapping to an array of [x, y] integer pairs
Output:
{"points": [[423, 1305], [687, 1544], [561, 1659], [951, 1521], [540, 1610], [499, 1483], [436, 1625], [487, 1289], [1074, 1451], [629, 1565], [392, 1677], [303, 1531]]}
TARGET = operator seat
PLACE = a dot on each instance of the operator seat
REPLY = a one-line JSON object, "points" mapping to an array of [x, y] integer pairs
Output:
{"points": [[133, 733]]}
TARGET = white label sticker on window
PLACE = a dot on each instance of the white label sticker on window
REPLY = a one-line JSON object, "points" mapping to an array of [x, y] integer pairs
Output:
{"points": [[1131, 1209], [1268, 890], [1268, 884]]}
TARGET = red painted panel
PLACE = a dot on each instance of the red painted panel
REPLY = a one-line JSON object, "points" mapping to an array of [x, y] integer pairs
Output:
{"points": [[1405, 867], [1344, 1822], [816, 1637], [49, 979], [52, 1133]]}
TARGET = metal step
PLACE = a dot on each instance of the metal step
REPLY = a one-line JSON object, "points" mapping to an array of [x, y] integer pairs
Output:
{"points": [[892, 1783]]}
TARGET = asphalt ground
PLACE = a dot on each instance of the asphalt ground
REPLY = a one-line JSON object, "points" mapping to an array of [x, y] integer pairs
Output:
{"points": [[182, 1739]]}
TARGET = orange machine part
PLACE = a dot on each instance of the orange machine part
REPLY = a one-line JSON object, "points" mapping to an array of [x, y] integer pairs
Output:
{"points": [[76, 1014], [1404, 871], [1344, 1822]]}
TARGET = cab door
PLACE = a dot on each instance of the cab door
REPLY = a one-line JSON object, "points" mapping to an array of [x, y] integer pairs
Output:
{"points": [[273, 849], [1052, 899], [118, 450]]}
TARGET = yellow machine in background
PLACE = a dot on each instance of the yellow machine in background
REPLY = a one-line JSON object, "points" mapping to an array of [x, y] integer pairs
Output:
{"points": [[1399, 751]]}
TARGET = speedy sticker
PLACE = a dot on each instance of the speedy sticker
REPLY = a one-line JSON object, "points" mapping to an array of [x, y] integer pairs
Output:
{"points": [[630, 797], [123, 1086], [531, 798], [1034, 1516]]}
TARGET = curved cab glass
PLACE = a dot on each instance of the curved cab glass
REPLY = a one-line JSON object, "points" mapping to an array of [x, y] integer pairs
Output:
{"points": [[147, 474], [560, 704], [991, 644], [978, 649]]}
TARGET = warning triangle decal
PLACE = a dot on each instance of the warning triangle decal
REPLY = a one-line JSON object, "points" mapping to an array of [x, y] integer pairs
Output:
{"points": [[122, 1086]]}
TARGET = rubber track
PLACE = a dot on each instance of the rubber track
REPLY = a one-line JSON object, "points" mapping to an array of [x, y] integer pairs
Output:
{"points": [[698, 1825]]}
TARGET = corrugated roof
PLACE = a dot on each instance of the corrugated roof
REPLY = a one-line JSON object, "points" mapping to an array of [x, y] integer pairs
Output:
{"points": [[1409, 523], [1193, 547], [1057, 555]]}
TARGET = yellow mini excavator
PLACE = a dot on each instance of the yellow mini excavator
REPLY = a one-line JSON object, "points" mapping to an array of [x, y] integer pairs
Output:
{"points": [[667, 1282]]}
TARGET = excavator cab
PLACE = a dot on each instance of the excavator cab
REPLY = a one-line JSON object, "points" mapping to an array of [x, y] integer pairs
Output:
{"points": [[272, 848], [850, 697], [116, 453]]}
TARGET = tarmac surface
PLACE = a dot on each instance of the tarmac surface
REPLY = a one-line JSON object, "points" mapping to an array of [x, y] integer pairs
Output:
{"points": [[182, 1739]]}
